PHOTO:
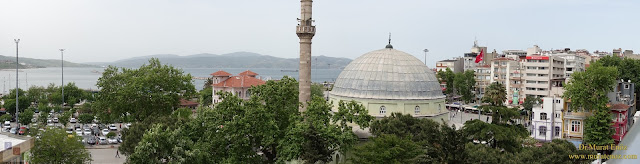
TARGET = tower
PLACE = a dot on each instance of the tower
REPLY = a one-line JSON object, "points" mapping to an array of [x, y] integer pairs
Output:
{"points": [[305, 31]]}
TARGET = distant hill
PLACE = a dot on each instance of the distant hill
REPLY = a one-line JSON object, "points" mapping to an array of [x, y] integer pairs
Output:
{"points": [[8, 62], [230, 60]]}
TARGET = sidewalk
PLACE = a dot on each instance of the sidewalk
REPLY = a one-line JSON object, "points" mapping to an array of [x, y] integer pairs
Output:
{"points": [[106, 156]]}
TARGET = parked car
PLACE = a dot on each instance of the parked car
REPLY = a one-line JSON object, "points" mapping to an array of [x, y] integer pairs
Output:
{"points": [[22, 130], [127, 125], [105, 132], [103, 140], [77, 126], [78, 131], [87, 132], [55, 120], [73, 120], [91, 141], [13, 130], [7, 124], [69, 130], [113, 127], [112, 140]]}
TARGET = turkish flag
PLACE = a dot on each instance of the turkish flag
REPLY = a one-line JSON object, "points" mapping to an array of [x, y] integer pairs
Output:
{"points": [[479, 57]]}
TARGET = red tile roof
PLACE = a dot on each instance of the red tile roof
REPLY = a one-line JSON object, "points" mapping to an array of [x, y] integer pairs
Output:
{"points": [[239, 81], [221, 73], [184, 102], [248, 73], [620, 106], [2, 109]]}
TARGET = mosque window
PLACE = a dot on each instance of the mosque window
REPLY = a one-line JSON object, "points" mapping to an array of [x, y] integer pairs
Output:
{"points": [[383, 109], [417, 110]]}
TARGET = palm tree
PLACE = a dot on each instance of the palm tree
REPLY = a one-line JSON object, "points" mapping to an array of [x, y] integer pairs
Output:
{"points": [[495, 94]]}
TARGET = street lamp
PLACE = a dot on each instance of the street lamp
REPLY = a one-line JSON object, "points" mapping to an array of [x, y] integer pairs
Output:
{"points": [[425, 56], [17, 63], [62, 57]]}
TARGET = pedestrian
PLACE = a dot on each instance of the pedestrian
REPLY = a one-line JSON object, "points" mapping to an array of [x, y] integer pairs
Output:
{"points": [[117, 153], [120, 126]]}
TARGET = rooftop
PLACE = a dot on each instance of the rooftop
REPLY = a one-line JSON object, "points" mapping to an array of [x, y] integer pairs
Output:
{"points": [[221, 73], [239, 81]]}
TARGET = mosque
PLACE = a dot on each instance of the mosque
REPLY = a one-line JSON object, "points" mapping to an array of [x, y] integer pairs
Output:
{"points": [[387, 81]]}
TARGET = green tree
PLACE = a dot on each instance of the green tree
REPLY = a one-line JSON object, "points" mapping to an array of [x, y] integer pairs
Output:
{"points": [[55, 146], [448, 77], [152, 90], [556, 151], [133, 135], [208, 83], [25, 117], [464, 82], [528, 104], [10, 101], [498, 135], [206, 96], [387, 149], [495, 94], [64, 118], [111, 135], [5, 117], [183, 113], [597, 128], [85, 118], [160, 145], [42, 118], [317, 90]]}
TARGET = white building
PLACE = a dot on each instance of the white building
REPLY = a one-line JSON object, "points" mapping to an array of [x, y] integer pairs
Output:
{"points": [[540, 74], [238, 85], [547, 119], [456, 65], [507, 72]]}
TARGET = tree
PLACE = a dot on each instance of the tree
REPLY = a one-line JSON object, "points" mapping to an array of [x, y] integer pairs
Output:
{"points": [[42, 118], [448, 77], [495, 94], [208, 83], [161, 145], [183, 113], [317, 90], [206, 96], [556, 151], [85, 118], [133, 135], [64, 118], [464, 82], [10, 101], [387, 149], [528, 104], [55, 146], [588, 91], [152, 90], [498, 135], [5, 117], [25, 117]]}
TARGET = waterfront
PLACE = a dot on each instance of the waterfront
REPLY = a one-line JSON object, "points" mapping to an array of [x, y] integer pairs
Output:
{"points": [[86, 78]]}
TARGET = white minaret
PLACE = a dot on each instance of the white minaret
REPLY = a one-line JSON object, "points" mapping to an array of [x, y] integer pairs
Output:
{"points": [[305, 31]]}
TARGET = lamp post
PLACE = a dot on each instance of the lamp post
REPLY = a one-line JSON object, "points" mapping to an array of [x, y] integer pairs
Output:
{"points": [[17, 63], [425, 56], [62, 57]]}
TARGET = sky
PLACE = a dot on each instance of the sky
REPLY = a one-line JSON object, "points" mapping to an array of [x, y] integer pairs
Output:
{"points": [[110, 30]]}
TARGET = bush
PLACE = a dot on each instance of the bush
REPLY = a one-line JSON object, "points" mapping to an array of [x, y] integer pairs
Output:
{"points": [[5, 117], [111, 134]]}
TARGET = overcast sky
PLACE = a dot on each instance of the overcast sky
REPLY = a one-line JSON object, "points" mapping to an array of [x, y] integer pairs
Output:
{"points": [[109, 30]]}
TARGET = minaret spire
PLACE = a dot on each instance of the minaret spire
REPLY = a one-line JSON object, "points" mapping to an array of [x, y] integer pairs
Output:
{"points": [[305, 31], [389, 45]]}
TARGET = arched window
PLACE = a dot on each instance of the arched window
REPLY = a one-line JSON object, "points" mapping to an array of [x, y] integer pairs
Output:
{"points": [[417, 109], [383, 109]]}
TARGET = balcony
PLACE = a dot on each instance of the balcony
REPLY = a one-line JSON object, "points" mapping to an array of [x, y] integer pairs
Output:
{"points": [[305, 29], [576, 115]]}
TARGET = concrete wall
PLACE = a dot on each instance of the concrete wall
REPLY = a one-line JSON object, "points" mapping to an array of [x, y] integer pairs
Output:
{"points": [[428, 108]]}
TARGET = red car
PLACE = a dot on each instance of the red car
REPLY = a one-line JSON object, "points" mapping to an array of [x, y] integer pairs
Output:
{"points": [[22, 130]]}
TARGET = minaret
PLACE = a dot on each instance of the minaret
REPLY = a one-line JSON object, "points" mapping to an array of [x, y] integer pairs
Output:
{"points": [[305, 31]]}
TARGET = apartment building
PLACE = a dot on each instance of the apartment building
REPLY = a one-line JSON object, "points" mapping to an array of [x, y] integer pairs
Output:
{"points": [[573, 62], [547, 119], [540, 72], [456, 65], [507, 71], [483, 79]]}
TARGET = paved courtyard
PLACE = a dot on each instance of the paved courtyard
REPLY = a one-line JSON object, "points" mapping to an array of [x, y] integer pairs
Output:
{"points": [[459, 118], [106, 155]]}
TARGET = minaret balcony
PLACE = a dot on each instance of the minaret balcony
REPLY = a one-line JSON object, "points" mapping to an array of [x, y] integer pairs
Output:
{"points": [[306, 29]]}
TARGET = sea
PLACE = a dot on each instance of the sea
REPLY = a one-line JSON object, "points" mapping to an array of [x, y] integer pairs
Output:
{"points": [[86, 78]]}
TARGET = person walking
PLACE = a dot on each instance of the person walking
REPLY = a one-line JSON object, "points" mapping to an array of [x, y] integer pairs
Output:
{"points": [[117, 153]]}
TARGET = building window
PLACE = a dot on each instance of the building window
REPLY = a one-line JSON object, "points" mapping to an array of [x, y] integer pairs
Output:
{"points": [[383, 109], [248, 93], [542, 130], [575, 126], [626, 86], [543, 116], [620, 117], [557, 131], [417, 110]]}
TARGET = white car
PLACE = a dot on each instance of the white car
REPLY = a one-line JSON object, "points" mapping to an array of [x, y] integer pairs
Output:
{"points": [[55, 120], [73, 120], [113, 127], [87, 132], [7, 124], [112, 141], [127, 125], [105, 132], [69, 130], [79, 132]]}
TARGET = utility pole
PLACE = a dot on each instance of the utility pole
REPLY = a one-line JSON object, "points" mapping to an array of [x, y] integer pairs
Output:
{"points": [[17, 91], [62, 57]]}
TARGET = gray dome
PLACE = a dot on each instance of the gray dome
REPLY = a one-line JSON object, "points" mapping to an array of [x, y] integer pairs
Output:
{"points": [[387, 74]]}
